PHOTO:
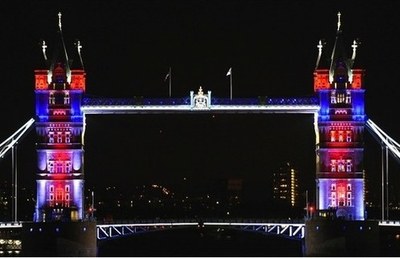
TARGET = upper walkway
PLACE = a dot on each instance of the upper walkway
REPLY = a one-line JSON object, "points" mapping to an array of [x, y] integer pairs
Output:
{"points": [[200, 102]]}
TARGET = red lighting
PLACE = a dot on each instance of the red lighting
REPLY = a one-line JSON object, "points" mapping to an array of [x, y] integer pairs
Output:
{"points": [[357, 79], [78, 80], [41, 79], [321, 79]]}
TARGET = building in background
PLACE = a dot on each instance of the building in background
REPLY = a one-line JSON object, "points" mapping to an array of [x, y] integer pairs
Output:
{"points": [[286, 185]]}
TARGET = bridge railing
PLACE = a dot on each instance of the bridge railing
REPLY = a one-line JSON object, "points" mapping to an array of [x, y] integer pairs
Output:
{"points": [[107, 231], [140, 101], [11, 224]]}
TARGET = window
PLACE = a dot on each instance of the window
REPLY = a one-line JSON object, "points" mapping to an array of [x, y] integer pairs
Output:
{"points": [[340, 98], [51, 137], [59, 194], [68, 166], [50, 166], [51, 188], [59, 167], [349, 195], [333, 199], [348, 187], [333, 188], [340, 136], [67, 188], [333, 136], [333, 97], [348, 136], [67, 137], [59, 137], [52, 99], [348, 201], [333, 165], [341, 166], [51, 197], [349, 165], [348, 97], [66, 98]]}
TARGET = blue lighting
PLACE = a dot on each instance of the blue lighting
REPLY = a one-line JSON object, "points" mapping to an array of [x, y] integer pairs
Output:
{"points": [[139, 101], [42, 103], [358, 102]]}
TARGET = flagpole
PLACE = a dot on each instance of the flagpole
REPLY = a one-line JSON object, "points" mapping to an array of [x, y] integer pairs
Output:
{"points": [[231, 82], [170, 79]]}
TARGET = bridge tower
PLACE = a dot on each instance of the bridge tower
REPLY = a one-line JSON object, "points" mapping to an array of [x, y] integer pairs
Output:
{"points": [[59, 86], [341, 119]]}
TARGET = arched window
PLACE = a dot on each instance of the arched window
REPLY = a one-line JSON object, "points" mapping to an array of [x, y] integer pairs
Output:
{"points": [[333, 165], [333, 199], [66, 98], [52, 99], [333, 135], [59, 167], [349, 165], [340, 136], [348, 97], [68, 166], [341, 167], [67, 137], [51, 137], [59, 137], [50, 166], [349, 135], [333, 97], [348, 201]]}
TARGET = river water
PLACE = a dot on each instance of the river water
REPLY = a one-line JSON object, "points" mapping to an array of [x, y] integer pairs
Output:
{"points": [[209, 242]]}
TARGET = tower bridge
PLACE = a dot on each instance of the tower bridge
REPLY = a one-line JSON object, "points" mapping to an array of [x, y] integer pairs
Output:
{"points": [[337, 106], [339, 120]]}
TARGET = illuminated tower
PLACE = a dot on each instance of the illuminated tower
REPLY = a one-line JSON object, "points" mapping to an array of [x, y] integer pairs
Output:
{"points": [[341, 119], [59, 87]]}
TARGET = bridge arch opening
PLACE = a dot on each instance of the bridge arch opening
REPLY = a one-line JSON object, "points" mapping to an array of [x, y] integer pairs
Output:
{"points": [[205, 153]]}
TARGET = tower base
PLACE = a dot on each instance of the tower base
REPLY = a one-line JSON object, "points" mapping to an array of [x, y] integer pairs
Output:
{"points": [[59, 239]]}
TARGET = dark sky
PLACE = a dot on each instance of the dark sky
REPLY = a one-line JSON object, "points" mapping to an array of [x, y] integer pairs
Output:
{"points": [[129, 45]]}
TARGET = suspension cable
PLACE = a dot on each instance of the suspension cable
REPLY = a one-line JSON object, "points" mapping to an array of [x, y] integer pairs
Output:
{"points": [[384, 138], [7, 145]]}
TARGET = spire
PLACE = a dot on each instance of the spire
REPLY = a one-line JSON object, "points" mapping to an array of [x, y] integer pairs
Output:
{"points": [[59, 21], [75, 63], [60, 55], [338, 22], [322, 59], [339, 59], [354, 46], [44, 46]]}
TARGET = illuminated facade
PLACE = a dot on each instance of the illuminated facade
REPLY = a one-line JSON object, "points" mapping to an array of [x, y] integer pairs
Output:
{"points": [[286, 185], [59, 88], [341, 120]]}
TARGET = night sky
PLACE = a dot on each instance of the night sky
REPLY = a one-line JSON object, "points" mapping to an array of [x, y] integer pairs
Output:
{"points": [[128, 47]]}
